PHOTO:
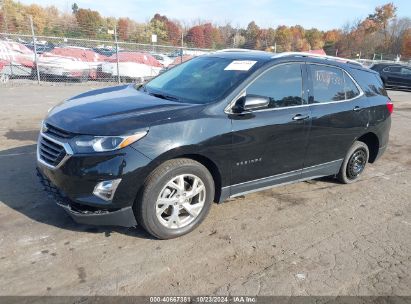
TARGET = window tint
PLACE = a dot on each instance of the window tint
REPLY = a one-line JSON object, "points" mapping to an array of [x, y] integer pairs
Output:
{"points": [[370, 82], [393, 69], [201, 80], [328, 84], [351, 90], [405, 71], [282, 84]]}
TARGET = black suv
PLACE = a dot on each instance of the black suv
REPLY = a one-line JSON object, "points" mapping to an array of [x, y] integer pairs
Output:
{"points": [[217, 126], [394, 75]]}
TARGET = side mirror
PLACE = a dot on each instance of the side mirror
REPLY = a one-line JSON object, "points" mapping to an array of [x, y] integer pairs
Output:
{"points": [[248, 103]]}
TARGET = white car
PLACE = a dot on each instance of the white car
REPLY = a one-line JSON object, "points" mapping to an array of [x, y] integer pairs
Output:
{"points": [[16, 60], [70, 62], [132, 65], [163, 59]]}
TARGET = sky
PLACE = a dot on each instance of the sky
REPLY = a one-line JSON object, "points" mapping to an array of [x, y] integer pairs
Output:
{"points": [[322, 14]]}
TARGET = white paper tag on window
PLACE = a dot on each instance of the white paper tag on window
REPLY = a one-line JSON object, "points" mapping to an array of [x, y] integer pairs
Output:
{"points": [[240, 65]]}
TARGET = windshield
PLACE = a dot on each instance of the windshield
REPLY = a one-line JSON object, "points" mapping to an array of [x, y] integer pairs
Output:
{"points": [[201, 80]]}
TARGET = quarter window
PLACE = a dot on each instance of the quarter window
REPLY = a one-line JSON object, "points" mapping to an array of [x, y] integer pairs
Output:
{"points": [[282, 85]]}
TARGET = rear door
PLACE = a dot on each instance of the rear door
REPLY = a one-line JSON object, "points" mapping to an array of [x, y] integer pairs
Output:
{"points": [[339, 114], [269, 144], [406, 77], [393, 74]]}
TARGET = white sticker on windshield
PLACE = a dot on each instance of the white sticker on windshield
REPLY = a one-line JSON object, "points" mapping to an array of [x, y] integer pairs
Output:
{"points": [[240, 65]]}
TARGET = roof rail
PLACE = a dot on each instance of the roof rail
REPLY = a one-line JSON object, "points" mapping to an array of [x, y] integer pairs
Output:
{"points": [[326, 57], [236, 50]]}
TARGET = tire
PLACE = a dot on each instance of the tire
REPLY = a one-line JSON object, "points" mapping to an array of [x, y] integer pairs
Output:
{"points": [[175, 219], [84, 77], [354, 163], [4, 78]]}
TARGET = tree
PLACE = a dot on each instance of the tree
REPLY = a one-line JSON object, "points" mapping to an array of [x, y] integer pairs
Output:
{"points": [[227, 33], [252, 36], [195, 36], [172, 30], [382, 15], [283, 38], [406, 44], [397, 30], [123, 28], [315, 38], [208, 35], [39, 17], [89, 21], [74, 8]]}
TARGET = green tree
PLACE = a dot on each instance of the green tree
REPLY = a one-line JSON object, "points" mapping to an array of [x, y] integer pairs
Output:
{"points": [[74, 8]]}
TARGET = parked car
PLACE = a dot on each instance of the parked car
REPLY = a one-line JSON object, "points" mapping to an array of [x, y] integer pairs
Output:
{"points": [[70, 63], [214, 127], [163, 59], [394, 75], [106, 51], [179, 60], [40, 48], [132, 65], [4, 77], [17, 60], [180, 52]]}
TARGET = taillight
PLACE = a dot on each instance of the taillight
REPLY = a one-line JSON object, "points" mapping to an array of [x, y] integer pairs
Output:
{"points": [[390, 106]]}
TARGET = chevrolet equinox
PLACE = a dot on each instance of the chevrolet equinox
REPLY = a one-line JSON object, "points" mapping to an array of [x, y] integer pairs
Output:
{"points": [[217, 126]]}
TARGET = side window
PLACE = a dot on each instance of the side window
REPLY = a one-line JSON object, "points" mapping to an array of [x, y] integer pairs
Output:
{"points": [[282, 84], [328, 84], [351, 90], [394, 69], [405, 71], [370, 82]]}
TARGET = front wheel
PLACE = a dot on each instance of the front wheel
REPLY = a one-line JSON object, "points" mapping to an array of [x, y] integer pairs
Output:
{"points": [[354, 163], [175, 198]]}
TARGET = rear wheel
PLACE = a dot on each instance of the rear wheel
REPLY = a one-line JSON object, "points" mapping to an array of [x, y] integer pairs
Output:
{"points": [[4, 78], [354, 163], [175, 199]]}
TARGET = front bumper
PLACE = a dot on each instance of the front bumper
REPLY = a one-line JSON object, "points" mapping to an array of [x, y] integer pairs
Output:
{"points": [[72, 181], [87, 215]]}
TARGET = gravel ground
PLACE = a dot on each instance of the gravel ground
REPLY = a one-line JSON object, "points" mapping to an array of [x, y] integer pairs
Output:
{"points": [[310, 238]]}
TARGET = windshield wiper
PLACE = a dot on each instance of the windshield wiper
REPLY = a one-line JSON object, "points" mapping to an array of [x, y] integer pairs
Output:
{"points": [[164, 96]]}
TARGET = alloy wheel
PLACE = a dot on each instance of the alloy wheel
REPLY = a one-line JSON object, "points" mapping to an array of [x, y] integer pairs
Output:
{"points": [[180, 201]]}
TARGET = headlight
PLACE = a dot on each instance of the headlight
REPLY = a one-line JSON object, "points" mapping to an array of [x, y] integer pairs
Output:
{"points": [[87, 144]]}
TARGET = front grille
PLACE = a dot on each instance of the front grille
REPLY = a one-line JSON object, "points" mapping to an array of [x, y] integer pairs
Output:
{"points": [[57, 132], [50, 152]]}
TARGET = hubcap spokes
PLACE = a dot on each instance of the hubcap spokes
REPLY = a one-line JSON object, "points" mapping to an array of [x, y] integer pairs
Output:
{"points": [[180, 201]]}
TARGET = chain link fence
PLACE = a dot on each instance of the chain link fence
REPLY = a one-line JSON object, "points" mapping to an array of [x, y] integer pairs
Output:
{"points": [[30, 59]]}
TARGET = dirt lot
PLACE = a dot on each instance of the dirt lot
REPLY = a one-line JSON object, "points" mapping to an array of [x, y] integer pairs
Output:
{"points": [[312, 238]]}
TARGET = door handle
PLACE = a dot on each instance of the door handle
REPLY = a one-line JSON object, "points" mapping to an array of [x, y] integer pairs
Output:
{"points": [[357, 108], [300, 117]]}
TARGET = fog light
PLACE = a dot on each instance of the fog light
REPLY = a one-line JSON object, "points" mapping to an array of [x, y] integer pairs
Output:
{"points": [[106, 189]]}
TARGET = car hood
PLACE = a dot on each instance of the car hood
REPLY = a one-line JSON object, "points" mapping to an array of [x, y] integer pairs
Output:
{"points": [[115, 111]]}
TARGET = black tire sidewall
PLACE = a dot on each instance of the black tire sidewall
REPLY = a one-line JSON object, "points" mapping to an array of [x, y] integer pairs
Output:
{"points": [[149, 199], [342, 176]]}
